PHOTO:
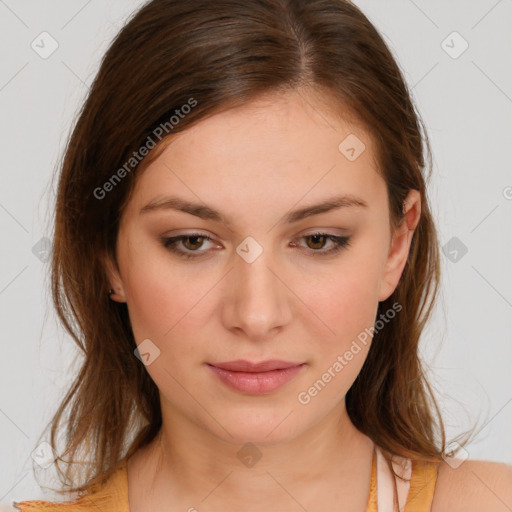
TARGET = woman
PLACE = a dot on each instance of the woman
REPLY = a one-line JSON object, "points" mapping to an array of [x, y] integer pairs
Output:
{"points": [[245, 252]]}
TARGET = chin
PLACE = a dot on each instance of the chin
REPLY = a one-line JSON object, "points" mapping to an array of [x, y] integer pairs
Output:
{"points": [[259, 428]]}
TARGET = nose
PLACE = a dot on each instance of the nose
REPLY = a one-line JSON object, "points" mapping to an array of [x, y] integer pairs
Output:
{"points": [[258, 301]]}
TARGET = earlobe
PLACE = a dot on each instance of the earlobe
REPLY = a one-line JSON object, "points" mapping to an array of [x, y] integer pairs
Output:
{"points": [[116, 289], [400, 245]]}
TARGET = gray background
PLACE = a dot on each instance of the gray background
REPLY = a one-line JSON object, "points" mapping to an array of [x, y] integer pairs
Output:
{"points": [[465, 101]]}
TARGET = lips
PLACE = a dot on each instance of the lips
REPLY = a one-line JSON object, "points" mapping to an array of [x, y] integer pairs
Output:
{"points": [[256, 378], [241, 365]]}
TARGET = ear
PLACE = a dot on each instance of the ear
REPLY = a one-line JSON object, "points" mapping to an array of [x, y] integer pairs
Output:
{"points": [[400, 245], [114, 278]]}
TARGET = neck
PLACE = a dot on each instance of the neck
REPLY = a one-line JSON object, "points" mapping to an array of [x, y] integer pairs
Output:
{"points": [[330, 459]]}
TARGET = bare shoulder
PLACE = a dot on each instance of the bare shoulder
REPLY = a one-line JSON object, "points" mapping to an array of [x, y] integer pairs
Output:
{"points": [[473, 486]]}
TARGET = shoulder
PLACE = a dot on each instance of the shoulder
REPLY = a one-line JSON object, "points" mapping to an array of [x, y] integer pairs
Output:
{"points": [[473, 486], [42, 506], [111, 496], [80, 505]]}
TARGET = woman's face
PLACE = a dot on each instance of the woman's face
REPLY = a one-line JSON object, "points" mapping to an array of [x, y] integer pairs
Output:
{"points": [[264, 287]]}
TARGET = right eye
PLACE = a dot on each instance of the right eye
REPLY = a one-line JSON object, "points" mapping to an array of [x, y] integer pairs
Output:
{"points": [[196, 241]]}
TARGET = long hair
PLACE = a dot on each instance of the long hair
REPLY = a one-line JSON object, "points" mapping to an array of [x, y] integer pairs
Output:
{"points": [[210, 57]]}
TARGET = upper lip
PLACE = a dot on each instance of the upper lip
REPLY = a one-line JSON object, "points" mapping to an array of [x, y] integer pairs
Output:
{"points": [[241, 365]]}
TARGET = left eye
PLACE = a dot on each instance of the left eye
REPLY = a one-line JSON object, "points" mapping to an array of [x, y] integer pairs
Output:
{"points": [[338, 242], [197, 240]]}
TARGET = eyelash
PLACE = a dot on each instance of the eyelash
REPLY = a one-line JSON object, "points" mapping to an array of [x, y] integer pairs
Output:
{"points": [[340, 242]]}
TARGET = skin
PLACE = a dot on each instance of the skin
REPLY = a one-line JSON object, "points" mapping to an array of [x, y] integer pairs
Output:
{"points": [[255, 164], [474, 486]]}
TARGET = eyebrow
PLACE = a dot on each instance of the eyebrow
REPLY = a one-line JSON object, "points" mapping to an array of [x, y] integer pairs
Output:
{"points": [[208, 213]]}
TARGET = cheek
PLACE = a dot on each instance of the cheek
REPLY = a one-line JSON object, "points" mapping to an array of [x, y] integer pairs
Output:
{"points": [[347, 306], [349, 311], [159, 298], [345, 301]]}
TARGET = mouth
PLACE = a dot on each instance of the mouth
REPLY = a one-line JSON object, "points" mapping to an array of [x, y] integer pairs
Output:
{"points": [[241, 365], [256, 378]]}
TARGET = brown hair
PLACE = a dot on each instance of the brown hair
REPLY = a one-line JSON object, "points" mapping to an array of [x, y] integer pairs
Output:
{"points": [[213, 56]]}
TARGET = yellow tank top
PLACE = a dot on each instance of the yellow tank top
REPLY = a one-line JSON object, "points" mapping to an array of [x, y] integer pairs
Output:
{"points": [[385, 491]]}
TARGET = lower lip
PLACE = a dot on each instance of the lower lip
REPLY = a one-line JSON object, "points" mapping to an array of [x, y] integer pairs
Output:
{"points": [[256, 383]]}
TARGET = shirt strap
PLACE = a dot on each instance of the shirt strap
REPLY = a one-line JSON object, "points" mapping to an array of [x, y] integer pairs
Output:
{"points": [[389, 486]]}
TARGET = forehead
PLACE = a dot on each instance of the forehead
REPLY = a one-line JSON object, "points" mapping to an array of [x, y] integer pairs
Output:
{"points": [[281, 148], [278, 128]]}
